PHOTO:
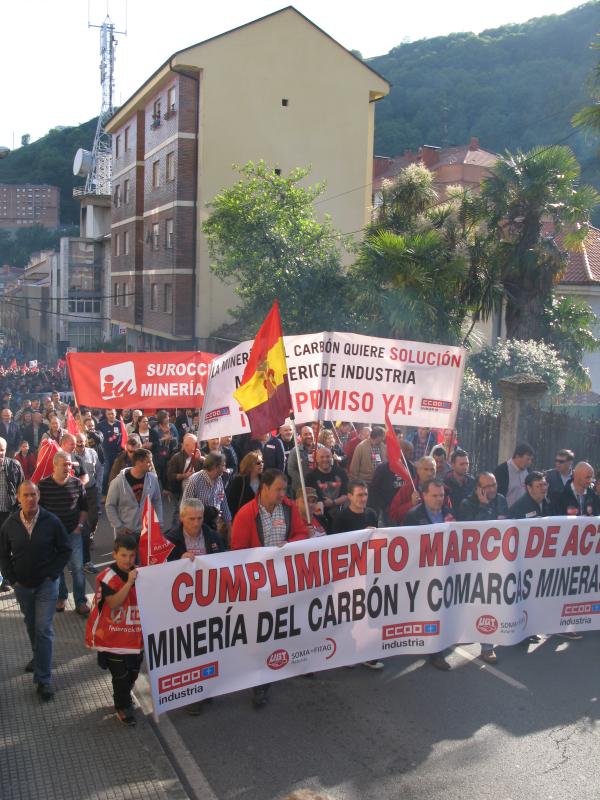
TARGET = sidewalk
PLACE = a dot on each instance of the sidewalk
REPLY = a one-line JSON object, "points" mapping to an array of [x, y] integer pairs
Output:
{"points": [[73, 747]]}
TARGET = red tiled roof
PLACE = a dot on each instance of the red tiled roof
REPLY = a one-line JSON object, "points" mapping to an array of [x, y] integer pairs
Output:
{"points": [[583, 265]]}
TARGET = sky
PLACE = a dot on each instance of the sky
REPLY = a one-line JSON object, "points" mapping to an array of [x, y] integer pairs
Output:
{"points": [[49, 58]]}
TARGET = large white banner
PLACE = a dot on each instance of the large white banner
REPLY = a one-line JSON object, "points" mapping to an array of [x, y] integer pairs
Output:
{"points": [[239, 619], [346, 376]]}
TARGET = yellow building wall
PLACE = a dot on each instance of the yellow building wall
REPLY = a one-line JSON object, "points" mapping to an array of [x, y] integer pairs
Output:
{"points": [[328, 124]]}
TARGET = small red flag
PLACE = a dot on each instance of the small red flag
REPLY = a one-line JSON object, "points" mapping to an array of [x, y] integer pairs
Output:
{"points": [[13, 364], [44, 466], [396, 460], [124, 434], [72, 426], [153, 547]]}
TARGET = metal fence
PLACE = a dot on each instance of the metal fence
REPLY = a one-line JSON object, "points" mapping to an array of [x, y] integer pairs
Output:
{"points": [[546, 431]]}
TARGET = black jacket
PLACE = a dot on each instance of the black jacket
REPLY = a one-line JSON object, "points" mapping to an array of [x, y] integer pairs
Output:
{"points": [[15, 477], [30, 560], [212, 542], [567, 504], [418, 515], [525, 507], [458, 491], [385, 484], [555, 485], [238, 493], [471, 510], [27, 434]]}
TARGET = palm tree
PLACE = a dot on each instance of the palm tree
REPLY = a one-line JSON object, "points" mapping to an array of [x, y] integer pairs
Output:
{"points": [[589, 116], [527, 201]]}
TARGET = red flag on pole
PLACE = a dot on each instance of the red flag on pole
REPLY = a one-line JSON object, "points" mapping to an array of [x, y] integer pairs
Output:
{"points": [[44, 466], [153, 547], [396, 460], [124, 434], [72, 426], [13, 364]]}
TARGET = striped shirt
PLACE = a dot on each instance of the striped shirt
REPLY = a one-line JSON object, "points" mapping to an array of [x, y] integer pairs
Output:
{"points": [[66, 500], [212, 493]]}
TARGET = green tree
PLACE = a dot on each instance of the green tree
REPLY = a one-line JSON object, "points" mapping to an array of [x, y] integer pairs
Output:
{"points": [[265, 240], [589, 116], [570, 324], [528, 201]]}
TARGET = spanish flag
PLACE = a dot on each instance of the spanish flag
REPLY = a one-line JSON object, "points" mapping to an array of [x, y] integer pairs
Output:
{"points": [[264, 393]]}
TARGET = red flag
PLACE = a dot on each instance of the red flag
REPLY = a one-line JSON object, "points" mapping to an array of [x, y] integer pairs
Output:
{"points": [[72, 426], [44, 466], [124, 434], [153, 547], [396, 461], [264, 393], [13, 364]]}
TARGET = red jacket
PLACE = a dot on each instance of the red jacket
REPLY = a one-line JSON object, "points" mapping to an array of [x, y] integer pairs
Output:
{"points": [[116, 630], [247, 527]]}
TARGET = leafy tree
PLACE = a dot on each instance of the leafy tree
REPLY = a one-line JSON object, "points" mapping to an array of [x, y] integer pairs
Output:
{"points": [[512, 357], [589, 116], [266, 241], [529, 200], [570, 324], [477, 395]]}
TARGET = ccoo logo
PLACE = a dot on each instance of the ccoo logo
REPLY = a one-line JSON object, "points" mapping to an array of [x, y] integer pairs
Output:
{"points": [[487, 624], [278, 659]]}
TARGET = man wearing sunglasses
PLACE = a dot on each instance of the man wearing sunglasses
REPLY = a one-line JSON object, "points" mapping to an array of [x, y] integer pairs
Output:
{"points": [[561, 474]]}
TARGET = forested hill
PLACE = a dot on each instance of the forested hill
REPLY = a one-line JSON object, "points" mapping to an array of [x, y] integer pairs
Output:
{"points": [[50, 160], [514, 87]]}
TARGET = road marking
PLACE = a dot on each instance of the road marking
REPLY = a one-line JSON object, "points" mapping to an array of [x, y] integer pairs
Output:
{"points": [[492, 670]]}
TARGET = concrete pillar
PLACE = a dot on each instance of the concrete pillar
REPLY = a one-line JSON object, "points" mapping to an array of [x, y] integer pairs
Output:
{"points": [[518, 392]]}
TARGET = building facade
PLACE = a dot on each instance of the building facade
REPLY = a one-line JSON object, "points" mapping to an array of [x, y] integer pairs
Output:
{"points": [[29, 204], [278, 89]]}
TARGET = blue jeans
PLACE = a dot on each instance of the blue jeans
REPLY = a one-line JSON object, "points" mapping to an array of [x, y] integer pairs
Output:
{"points": [[38, 607], [76, 568]]}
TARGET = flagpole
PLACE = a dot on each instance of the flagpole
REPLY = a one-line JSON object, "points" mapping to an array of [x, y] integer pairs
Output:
{"points": [[300, 468]]}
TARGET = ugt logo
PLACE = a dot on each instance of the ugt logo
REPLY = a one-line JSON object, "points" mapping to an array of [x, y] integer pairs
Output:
{"points": [[117, 380]]}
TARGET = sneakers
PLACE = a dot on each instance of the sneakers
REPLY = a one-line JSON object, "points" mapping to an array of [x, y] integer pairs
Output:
{"points": [[126, 716], [90, 568], [29, 666], [489, 656], [60, 605], [373, 664], [439, 662], [260, 697], [83, 610], [45, 691], [572, 635]]}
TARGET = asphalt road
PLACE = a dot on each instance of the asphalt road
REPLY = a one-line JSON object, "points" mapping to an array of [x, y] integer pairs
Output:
{"points": [[524, 730]]}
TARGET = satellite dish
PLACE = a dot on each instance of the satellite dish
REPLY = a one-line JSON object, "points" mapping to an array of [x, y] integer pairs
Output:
{"points": [[82, 163]]}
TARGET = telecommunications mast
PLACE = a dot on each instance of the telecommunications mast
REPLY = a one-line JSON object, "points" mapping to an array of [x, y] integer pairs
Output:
{"points": [[96, 166]]}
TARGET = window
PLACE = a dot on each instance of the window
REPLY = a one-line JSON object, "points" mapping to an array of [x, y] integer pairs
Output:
{"points": [[117, 145], [171, 100], [117, 244], [126, 191], [156, 113], [117, 195], [156, 174], [125, 299], [126, 243], [155, 235], [153, 296], [284, 101], [171, 166], [126, 138], [170, 235], [168, 299], [116, 294]]}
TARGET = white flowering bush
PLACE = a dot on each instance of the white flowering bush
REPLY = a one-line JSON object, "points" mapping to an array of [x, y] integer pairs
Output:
{"points": [[476, 395]]}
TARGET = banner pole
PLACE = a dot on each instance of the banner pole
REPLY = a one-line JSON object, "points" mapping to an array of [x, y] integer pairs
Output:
{"points": [[300, 468]]}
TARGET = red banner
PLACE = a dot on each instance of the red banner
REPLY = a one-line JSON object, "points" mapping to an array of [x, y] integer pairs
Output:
{"points": [[139, 380]]}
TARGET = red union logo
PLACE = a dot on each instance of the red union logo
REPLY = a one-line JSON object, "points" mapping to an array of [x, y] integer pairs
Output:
{"points": [[487, 624], [178, 680], [575, 609], [399, 630], [278, 659], [118, 380]]}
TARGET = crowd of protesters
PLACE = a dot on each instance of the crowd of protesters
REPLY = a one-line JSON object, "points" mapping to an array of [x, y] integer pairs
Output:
{"points": [[228, 493]]}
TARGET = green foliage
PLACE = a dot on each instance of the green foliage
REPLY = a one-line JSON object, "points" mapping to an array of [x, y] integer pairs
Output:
{"points": [[15, 249], [570, 324], [514, 87], [513, 357], [50, 160], [477, 395], [265, 240], [588, 117]]}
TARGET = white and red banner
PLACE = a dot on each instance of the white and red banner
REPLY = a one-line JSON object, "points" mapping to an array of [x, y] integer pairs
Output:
{"points": [[153, 547], [139, 380], [225, 622], [346, 376]]}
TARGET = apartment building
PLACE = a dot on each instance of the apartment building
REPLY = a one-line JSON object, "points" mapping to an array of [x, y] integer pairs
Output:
{"points": [[29, 204], [278, 89]]}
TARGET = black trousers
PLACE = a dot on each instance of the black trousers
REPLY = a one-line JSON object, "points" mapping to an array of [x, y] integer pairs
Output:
{"points": [[124, 670]]}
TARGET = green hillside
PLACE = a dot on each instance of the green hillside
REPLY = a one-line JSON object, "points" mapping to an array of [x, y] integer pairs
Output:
{"points": [[50, 160], [514, 87]]}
